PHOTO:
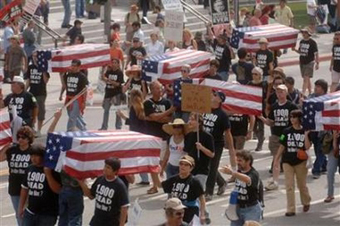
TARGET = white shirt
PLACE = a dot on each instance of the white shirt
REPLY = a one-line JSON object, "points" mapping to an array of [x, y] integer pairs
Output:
{"points": [[176, 151], [154, 49], [311, 11], [173, 50], [139, 34]]}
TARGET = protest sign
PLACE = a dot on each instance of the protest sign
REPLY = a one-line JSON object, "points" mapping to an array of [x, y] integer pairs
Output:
{"points": [[11, 11], [173, 29], [172, 5], [136, 213], [219, 11], [196, 98]]}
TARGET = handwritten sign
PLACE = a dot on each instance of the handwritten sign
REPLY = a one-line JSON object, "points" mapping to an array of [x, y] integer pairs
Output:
{"points": [[173, 29], [172, 5], [219, 11], [196, 98]]}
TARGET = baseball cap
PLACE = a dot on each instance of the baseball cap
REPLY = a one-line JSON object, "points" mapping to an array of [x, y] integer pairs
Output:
{"points": [[76, 62], [136, 39], [282, 87], [220, 94], [18, 79], [174, 203], [188, 159], [257, 70]]}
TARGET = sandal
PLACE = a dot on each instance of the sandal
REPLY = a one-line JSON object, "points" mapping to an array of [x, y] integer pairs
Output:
{"points": [[152, 190], [328, 199], [306, 208]]}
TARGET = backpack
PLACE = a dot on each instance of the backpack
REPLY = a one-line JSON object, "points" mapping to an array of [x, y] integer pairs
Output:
{"points": [[128, 17]]}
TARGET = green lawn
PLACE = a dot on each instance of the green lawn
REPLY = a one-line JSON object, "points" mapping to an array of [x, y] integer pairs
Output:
{"points": [[300, 14]]}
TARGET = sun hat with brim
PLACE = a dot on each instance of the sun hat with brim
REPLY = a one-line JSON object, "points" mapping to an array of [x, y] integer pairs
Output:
{"points": [[169, 128], [280, 71], [16, 37], [188, 159], [18, 79], [257, 70], [282, 87], [307, 29], [133, 68], [263, 41], [174, 204]]}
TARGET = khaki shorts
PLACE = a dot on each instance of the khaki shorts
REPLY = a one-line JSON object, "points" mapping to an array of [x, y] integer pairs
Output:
{"points": [[239, 142], [335, 77], [274, 144], [307, 69]]}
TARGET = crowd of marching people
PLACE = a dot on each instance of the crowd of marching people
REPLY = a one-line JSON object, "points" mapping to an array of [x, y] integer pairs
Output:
{"points": [[192, 144]]}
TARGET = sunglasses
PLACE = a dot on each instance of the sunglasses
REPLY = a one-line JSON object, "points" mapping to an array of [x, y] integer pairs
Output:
{"points": [[177, 127], [22, 137]]}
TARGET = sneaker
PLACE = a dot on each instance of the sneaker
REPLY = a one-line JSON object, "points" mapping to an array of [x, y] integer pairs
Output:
{"points": [[306, 208], [258, 149], [144, 183], [316, 176], [37, 134], [290, 214], [328, 199], [222, 189], [208, 198], [271, 185]]}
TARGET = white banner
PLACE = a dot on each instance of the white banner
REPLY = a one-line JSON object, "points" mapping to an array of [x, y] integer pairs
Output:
{"points": [[31, 6], [172, 5], [173, 29]]}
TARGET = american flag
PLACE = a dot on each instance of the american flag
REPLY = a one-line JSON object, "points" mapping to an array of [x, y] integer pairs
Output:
{"points": [[279, 36], [43, 58], [5, 128], [167, 67], [178, 90], [90, 55], [82, 154], [322, 113], [240, 99]]}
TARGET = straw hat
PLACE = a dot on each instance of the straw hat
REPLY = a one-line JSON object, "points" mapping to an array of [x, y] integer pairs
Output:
{"points": [[169, 129], [133, 68], [263, 40], [280, 71], [308, 30]]}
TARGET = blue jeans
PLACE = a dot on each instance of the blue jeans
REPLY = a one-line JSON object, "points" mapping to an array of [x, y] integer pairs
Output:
{"points": [[171, 170], [75, 119], [224, 75], [252, 213], [38, 220], [320, 163], [15, 202], [80, 7], [202, 178], [71, 206], [67, 12], [144, 177], [116, 100], [332, 166]]}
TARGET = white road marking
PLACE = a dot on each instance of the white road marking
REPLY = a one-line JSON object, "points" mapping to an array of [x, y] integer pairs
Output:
{"points": [[8, 215]]}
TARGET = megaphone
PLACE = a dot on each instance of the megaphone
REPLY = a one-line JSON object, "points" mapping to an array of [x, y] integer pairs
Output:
{"points": [[230, 212]]}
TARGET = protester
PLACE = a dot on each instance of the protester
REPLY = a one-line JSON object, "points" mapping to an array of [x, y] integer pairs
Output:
{"points": [[175, 147], [292, 142], [130, 18], [67, 14], [264, 59], [42, 13], [136, 53], [158, 11], [36, 82], [16, 59], [158, 111], [117, 53], [242, 16], [218, 125], [200, 42], [308, 50], [272, 97], [75, 84], [18, 158], [294, 94], [29, 40], [311, 12], [111, 207], [265, 15], [24, 102], [247, 186], [283, 14], [188, 189], [278, 119], [171, 46], [155, 47], [242, 127], [135, 81], [114, 78], [174, 212], [242, 69], [80, 8], [188, 41], [115, 35], [138, 33], [202, 149], [259, 126], [335, 61], [73, 32], [39, 190], [320, 162], [255, 19], [214, 65]]}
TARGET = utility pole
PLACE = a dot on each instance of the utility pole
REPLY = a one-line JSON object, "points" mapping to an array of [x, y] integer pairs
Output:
{"points": [[107, 20], [236, 9]]}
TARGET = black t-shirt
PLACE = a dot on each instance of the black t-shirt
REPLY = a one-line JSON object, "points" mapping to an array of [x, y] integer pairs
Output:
{"points": [[110, 197], [151, 106], [134, 52], [202, 161], [222, 54], [37, 83], [18, 161], [72, 33], [293, 140], [336, 58], [135, 84], [135, 123], [75, 83], [25, 103], [216, 123], [243, 70], [115, 76], [239, 124], [263, 59], [216, 77], [41, 199], [187, 190], [248, 193], [280, 115], [295, 96], [307, 49]]}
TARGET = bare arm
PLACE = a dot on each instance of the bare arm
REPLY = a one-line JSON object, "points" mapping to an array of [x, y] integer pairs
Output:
{"points": [[28, 81], [308, 144], [85, 188], [52, 183], [266, 121], [160, 116], [202, 208], [123, 215], [22, 202], [240, 176], [205, 150], [276, 165], [3, 152], [55, 121], [45, 77], [35, 114]]}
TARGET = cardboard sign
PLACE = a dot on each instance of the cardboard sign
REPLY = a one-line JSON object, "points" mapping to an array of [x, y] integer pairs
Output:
{"points": [[219, 11], [172, 5], [136, 213], [196, 98], [31, 6], [173, 28]]}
